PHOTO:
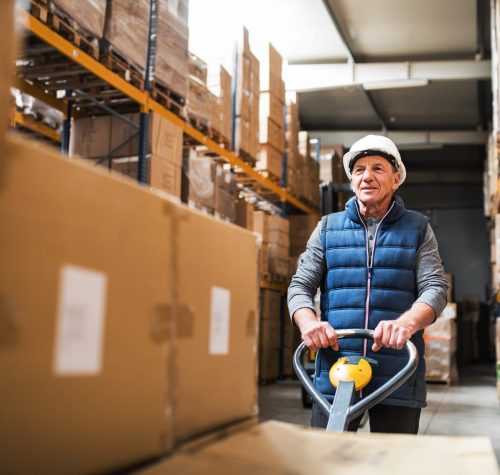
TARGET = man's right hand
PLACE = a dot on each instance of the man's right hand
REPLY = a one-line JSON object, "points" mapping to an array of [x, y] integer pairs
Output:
{"points": [[315, 333]]}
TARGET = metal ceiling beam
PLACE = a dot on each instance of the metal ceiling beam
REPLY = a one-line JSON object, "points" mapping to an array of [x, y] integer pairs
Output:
{"points": [[314, 77], [406, 140], [351, 62]]}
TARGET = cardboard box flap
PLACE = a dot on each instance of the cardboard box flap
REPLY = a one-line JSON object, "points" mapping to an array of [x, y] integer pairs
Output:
{"points": [[278, 448]]}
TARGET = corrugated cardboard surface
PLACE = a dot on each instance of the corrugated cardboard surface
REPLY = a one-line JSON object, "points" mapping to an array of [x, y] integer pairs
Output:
{"points": [[211, 389], [89, 14], [279, 448], [95, 137], [56, 212], [160, 379]]}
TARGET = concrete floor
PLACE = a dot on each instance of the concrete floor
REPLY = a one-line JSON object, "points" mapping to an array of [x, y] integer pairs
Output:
{"points": [[468, 408]]}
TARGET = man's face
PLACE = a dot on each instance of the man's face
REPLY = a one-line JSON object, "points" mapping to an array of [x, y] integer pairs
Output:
{"points": [[374, 180]]}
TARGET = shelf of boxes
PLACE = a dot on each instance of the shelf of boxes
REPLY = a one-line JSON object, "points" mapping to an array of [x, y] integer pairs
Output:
{"points": [[109, 83]]}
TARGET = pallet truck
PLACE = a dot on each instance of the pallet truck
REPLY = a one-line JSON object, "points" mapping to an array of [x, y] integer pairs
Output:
{"points": [[348, 375]]}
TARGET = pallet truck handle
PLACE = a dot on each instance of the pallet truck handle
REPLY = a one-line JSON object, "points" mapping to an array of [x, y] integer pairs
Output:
{"points": [[376, 396]]}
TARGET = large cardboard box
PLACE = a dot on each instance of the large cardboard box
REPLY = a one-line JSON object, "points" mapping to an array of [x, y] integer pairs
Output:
{"points": [[215, 357], [270, 161], [125, 344], [272, 107], [85, 286], [89, 15], [440, 348], [95, 137], [277, 448], [244, 213]]}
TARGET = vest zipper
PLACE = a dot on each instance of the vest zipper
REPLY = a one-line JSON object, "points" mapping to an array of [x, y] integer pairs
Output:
{"points": [[369, 264]]}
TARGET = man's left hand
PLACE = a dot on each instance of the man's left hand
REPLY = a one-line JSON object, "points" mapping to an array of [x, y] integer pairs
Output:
{"points": [[391, 334]]}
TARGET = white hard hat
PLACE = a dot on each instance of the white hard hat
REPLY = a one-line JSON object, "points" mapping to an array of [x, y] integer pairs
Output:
{"points": [[375, 145]]}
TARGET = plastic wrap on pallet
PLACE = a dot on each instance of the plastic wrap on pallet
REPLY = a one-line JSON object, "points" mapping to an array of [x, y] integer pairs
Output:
{"points": [[127, 30], [201, 175], [88, 14], [197, 103], [172, 55], [215, 112], [198, 68], [219, 83]]}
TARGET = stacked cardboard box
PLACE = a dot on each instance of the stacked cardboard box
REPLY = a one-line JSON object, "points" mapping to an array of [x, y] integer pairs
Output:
{"points": [[301, 228], [121, 329], [275, 243], [269, 335], [201, 173], [247, 102], [302, 169], [491, 173], [212, 186], [294, 172], [198, 105], [331, 169], [272, 103], [226, 193], [440, 347], [97, 137], [245, 213], [127, 33], [220, 85], [89, 15]]}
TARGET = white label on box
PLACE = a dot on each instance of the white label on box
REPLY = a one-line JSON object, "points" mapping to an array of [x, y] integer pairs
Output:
{"points": [[219, 321], [80, 321]]}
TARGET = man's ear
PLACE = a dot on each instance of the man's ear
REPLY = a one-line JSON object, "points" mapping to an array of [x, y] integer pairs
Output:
{"points": [[397, 179]]}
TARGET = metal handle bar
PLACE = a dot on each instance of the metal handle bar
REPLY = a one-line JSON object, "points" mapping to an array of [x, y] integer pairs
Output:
{"points": [[376, 396]]}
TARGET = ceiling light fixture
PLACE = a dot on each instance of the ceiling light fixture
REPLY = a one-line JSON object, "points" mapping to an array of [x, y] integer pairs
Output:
{"points": [[396, 84]]}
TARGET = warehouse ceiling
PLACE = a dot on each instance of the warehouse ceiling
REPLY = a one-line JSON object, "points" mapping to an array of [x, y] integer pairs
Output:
{"points": [[418, 72]]}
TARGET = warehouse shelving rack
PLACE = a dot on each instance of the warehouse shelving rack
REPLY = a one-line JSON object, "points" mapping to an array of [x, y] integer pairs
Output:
{"points": [[264, 187]]}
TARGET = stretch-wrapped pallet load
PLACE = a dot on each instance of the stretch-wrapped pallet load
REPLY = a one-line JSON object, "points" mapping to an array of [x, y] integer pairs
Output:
{"points": [[87, 14], [272, 103], [172, 38], [247, 102], [440, 347], [269, 335], [275, 243], [127, 29], [219, 84], [212, 186], [198, 98]]}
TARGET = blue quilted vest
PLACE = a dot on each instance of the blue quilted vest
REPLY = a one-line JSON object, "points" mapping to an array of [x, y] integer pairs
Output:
{"points": [[357, 292]]}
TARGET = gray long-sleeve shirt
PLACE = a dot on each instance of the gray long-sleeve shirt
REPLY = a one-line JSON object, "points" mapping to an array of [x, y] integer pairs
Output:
{"points": [[431, 283]]}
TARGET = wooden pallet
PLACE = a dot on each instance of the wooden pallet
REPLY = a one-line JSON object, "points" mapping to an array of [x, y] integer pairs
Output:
{"points": [[270, 176], [198, 123], [218, 138], [65, 26], [246, 157], [168, 98], [120, 65]]}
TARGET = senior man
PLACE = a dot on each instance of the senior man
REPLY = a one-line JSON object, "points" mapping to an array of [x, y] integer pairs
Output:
{"points": [[378, 267]]}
